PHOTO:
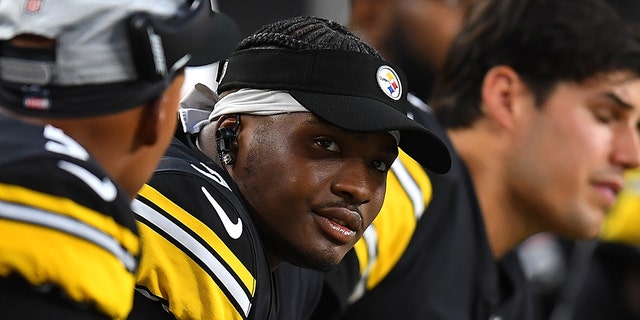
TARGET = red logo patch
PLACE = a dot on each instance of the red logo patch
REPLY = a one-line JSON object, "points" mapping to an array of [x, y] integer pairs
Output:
{"points": [[33, 6], [36, 103]]}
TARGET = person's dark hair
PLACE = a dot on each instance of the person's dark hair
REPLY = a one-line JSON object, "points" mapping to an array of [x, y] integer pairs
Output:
{"points": [[300, 33], [544, 41], [629, 10]]}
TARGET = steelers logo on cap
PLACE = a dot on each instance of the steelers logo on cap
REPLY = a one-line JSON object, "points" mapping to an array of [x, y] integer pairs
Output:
{"points": [[389, 82]]}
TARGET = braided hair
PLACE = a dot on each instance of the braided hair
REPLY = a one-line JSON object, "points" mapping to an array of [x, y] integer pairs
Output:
{"points": [[300, 33]]}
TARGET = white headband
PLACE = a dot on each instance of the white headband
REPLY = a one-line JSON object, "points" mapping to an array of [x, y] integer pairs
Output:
{"points": [[245, 101], [256, 102]]}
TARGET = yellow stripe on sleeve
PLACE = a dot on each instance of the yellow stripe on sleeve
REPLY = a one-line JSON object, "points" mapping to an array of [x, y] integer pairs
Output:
{"points": [[67, 207], [86, 272], [172, 275]]}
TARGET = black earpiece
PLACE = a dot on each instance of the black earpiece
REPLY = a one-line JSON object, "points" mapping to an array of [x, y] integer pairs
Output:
{"points": [[224, 138]]}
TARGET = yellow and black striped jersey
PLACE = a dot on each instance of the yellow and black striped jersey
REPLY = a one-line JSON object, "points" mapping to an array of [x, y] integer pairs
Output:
{"points": [[202, 257], [65, 227]]}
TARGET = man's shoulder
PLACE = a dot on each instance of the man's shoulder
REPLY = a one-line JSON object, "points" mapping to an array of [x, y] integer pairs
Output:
{"points": [[201, 198], [45, 162], [202, 236], [185, 176], [20, 140]]}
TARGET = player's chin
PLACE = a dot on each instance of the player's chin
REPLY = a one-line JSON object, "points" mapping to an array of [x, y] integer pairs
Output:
{"points": [[325, 259], [591, 226]]}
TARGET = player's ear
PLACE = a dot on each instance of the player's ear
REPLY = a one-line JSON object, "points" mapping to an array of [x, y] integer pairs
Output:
{"points": [[500, 89], [227, 131], [226, 135], [227, 121], [159, 115], [149, 123]]}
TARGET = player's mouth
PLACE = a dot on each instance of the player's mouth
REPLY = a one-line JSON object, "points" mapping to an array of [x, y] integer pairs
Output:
{"points": [[340, 225], [609, 189]]}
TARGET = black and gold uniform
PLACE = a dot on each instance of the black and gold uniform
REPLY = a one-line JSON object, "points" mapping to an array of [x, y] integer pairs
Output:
{"points": [[202, 257], [67, 235]]}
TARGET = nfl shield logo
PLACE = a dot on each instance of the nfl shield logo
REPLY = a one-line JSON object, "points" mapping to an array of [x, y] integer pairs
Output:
{"points": [[33, 6]]}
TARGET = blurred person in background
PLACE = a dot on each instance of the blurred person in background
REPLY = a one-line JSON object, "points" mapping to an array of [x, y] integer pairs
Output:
{"points": [[414, 34], [517, 126], [596, 279]]}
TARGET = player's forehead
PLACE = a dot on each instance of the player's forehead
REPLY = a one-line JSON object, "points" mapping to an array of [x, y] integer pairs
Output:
{"points": [[619, 86], [298, 124], [612, 91]]}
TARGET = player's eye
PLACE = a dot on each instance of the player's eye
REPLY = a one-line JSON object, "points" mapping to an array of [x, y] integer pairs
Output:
{"points": [[381, 166], [604, 115], [328, 144]]}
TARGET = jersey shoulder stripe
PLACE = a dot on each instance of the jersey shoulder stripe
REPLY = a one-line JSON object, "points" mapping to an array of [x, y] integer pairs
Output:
{"points": [[46, 160], [208, 236], [202, 260], [71, 226], [189, 209], [60, 211]]}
